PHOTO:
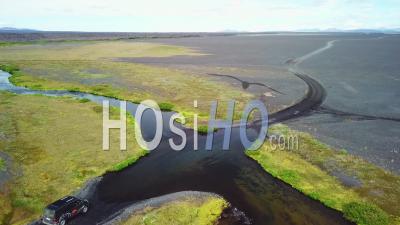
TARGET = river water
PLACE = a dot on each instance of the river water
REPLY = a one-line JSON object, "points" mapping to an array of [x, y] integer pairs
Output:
{"points": [[240, 180]]}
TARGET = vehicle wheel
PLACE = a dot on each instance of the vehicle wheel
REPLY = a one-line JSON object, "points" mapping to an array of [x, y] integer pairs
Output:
{"points": [[85, 209], [62, 222]]}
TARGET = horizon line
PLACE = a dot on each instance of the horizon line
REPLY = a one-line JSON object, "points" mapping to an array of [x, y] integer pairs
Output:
{"points": [[310, 30]]}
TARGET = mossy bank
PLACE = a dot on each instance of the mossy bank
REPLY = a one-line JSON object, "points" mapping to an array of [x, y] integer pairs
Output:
{"points": [[322, 173]]}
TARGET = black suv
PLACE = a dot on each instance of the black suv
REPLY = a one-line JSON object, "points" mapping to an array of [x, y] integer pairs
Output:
{"points": [[58, 212]]}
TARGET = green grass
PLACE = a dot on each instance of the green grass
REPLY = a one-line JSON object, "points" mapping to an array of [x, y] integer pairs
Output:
{"points": [[127, 162], [55, 143], [165, 106], [365, 214], [310, 170], [42, 42], [11, 69], [2, 164], [91, 67], [196, 211], [203, 129], [84, 100], [90, 50]]}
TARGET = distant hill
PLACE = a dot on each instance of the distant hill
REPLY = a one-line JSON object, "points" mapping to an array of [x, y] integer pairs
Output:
{"points": [[334, 30], [16, 30], [383, 30]]}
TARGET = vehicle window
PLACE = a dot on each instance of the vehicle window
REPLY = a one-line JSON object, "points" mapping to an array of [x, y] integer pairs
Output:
{"points": [[73, 205], [49, 213], [76, 203]]}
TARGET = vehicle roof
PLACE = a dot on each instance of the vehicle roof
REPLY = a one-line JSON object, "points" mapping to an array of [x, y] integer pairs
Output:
{"points": [[61, 202]]}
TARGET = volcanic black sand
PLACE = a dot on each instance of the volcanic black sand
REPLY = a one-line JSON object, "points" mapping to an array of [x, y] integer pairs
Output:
{"points": [[362, 110], [360, 73]]}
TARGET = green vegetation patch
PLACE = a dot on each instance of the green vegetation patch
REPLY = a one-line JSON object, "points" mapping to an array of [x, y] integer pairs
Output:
{"points": [[165, 106], [127, 162], [93, 67], [11, 69], [196, 211], [90, 50], [2, 164], [311, 169], [365, 214], [84, 100], [203, 129], [55, 144]]}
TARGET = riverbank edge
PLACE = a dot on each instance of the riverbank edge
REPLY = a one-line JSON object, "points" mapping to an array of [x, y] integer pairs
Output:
{"points": [[15, 72], [155, 202], [88, 187], [202, 119], [362, 211]]}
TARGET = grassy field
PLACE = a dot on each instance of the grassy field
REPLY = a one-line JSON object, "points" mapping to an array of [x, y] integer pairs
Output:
{"points": [[196, 211], [2, 164], [90, 50], [55, 145], [313, 169], [90, 67]]}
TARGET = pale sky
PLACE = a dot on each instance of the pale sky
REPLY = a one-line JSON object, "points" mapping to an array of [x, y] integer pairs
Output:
{"points": [[200, 15]]}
